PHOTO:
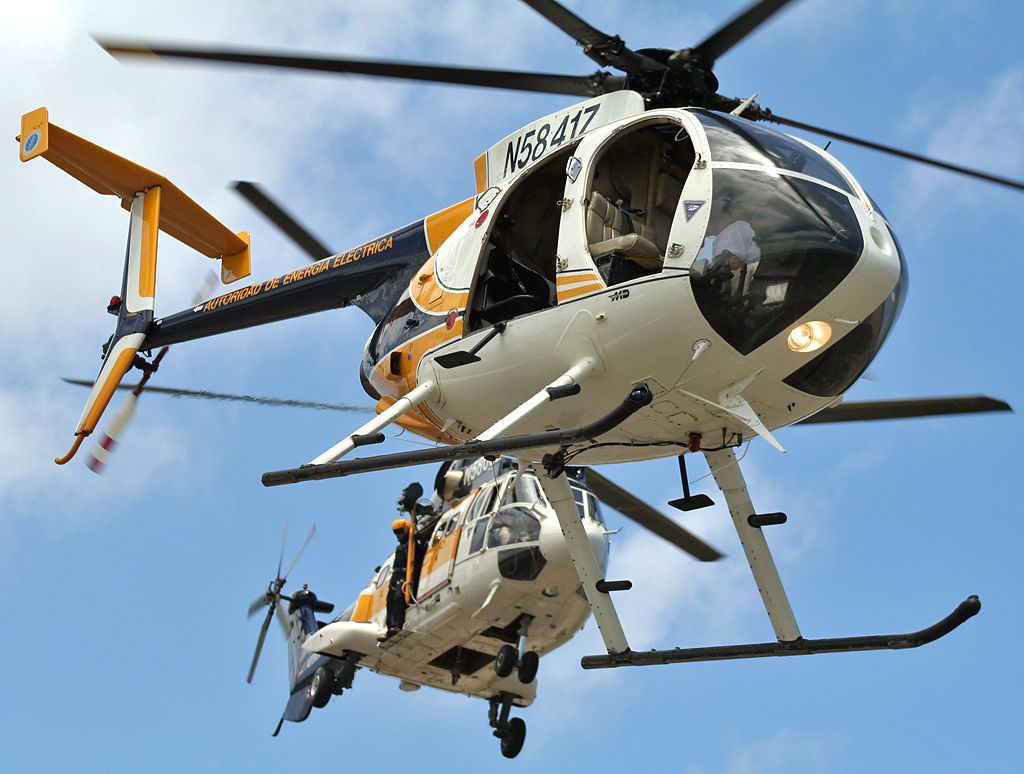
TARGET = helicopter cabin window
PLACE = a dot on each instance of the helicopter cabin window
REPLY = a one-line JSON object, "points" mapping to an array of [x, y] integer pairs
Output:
{"points": [[479, 511], [517, 273], [587, 505], [512, 525], [526, 490], [637, 181], [444, 528]]}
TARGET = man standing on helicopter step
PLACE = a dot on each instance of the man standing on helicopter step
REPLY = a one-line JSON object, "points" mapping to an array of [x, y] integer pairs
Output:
{"points": [[399, 568]]}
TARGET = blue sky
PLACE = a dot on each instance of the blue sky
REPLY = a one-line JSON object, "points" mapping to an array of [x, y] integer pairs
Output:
{"points": [[126, 643]]}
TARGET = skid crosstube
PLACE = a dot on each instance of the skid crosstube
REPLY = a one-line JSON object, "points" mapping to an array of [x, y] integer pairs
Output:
{"points": [[638, 397], [800, 647]]}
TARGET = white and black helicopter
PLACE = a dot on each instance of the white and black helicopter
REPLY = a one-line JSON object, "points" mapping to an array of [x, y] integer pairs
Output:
{"points": [[494, 590], [647, 273]]}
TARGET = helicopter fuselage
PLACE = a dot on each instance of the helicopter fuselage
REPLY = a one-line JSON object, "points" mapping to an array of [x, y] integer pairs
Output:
{"points": [[495, 559], [743, 274], [737, 341]]}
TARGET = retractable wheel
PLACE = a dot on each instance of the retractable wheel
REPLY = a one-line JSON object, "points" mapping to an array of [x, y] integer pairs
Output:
{"points": [[512, 740], [321, 687], [505, 661], [528, 666]]}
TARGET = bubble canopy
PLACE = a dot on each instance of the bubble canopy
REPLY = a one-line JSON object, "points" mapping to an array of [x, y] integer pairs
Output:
{"points": [[782, 232]]}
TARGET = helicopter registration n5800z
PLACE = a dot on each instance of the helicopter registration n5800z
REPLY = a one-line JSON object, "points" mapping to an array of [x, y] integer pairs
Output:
{"points": [[647, 273]]}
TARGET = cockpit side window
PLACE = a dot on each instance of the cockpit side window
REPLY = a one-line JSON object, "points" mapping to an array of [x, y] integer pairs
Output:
{"points": [[636, 184]]}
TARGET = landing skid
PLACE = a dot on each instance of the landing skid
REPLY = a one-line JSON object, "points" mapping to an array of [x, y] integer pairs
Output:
{"points": [[800, 647]]}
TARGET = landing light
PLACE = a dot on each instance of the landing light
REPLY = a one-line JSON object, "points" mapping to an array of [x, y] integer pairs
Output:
{"points": [[809, 336]]}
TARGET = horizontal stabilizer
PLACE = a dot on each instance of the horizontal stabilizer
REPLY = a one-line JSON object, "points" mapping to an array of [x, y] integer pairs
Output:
{"points": [[108, 173], [863, 411]]}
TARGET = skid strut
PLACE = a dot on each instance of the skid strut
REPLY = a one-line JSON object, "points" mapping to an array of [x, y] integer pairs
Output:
{"points": [[748, 525], [638, 397]]}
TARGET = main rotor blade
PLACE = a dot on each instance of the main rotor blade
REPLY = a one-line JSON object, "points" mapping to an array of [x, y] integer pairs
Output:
{"points": [[516, 80], [276, 214], [606, 50], [262, 401], [861, 411], [259, 645], [305, 544], [643, 514], [732, 33], [897, 152]]}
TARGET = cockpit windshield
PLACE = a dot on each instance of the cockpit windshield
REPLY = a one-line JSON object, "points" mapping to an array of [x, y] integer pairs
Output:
{"points": [[775, 246], [780, 238], [735, 139]]}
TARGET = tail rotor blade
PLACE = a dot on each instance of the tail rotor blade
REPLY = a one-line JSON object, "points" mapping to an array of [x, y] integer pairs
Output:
{"points": [[302, 548], [257, 604], [259, 645], [280, 559], [282, 618], [108, 440]]}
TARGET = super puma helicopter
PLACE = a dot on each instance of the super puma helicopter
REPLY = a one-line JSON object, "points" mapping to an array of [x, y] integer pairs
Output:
{"points": [[496, 591], [727, 279]]}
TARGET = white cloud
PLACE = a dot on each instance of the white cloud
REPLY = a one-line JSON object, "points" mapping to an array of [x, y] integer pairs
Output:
{"points": [[978, 133], [786, 750]]}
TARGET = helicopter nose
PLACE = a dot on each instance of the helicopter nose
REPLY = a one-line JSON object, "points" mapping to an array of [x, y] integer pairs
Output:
{"points": [[864, 308]]}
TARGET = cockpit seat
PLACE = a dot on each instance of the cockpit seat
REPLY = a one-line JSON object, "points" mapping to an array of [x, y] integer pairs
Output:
{"points": [[608, 230]]}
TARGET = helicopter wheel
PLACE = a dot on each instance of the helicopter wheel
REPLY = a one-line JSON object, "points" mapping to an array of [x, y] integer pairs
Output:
{"points": [[528, 666], [513, 738], [505, 661], [321, 688]]}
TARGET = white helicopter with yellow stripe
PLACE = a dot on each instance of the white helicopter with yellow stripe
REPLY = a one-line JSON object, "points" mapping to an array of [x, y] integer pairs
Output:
{"points": [[493, 590], [647, 273]]}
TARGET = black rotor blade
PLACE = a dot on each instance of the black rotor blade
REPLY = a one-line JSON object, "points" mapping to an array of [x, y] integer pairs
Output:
{"points": [[548, 83], [732, 33], [862, 411], [262, 401], [276, 214], [897, 152], [606, 50], [643, 514], [259, 644]]}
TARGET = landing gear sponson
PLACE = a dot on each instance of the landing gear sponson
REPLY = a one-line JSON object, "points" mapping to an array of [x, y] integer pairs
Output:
{"points": [[747, 522]]}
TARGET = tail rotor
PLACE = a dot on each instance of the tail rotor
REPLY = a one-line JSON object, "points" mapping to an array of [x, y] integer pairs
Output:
{"points": [[271, 598], [99, 455]]}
